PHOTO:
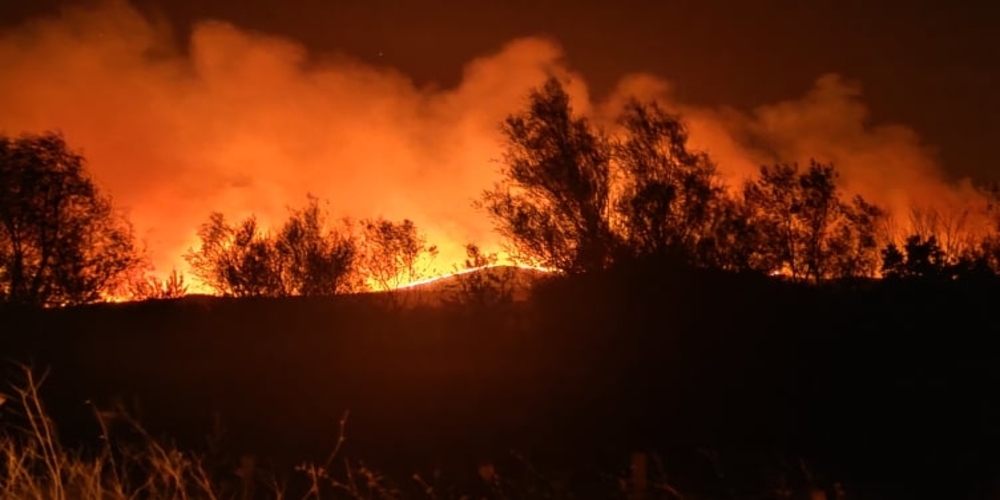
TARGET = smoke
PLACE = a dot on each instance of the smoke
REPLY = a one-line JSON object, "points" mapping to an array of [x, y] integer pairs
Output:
{"points": [[886, 163], [240, 122]]}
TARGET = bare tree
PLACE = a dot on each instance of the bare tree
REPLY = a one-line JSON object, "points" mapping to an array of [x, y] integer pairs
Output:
{"points": [[61, 241], [949, 228], [983, 253]]}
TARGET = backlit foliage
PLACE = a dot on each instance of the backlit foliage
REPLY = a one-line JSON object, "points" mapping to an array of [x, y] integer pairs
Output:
{"points": [[304, 257], [392, 254], [480, 283], [670, 202], [572, 197], [805, 229], [152, 287], [554, 201], [578, 199], [61, 241]]}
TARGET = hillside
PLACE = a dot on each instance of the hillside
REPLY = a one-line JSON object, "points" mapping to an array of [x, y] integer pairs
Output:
{"points": [[875, 386], [515, 279]]}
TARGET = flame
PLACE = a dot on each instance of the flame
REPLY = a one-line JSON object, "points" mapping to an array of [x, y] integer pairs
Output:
{"points": [[115, 298], [440, 277], [242, 123], [200, 289]]}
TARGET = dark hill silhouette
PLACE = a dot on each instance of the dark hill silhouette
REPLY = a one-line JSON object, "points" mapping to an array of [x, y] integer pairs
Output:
{"points": [[890, 387], [517, 279]]}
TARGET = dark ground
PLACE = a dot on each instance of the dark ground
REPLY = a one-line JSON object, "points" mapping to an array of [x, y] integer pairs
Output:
{"points": [[890, 388]]}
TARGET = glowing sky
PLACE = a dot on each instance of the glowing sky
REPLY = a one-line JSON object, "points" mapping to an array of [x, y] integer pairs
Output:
{"points": [[930, 65], [391, 108]]}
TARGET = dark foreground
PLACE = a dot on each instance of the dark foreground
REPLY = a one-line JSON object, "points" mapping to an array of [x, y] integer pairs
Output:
{"points": [[890, 389]]}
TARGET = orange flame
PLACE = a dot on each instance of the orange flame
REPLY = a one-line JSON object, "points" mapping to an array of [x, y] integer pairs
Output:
{"points": [[444, 276], [242, 123]]}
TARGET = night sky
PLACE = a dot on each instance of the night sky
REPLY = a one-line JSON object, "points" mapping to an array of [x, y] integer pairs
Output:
{"points": [[935, 69]]}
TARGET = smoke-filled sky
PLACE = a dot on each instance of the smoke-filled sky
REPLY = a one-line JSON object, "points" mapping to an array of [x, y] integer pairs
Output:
{"points": [[392, 109]]}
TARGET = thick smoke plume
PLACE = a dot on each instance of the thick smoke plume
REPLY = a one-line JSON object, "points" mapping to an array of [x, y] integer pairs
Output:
{"points": [[240, 122]]}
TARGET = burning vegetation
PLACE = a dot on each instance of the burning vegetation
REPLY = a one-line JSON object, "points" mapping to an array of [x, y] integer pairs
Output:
{"points": [[573, 197], [633, 273], [233, 121]]}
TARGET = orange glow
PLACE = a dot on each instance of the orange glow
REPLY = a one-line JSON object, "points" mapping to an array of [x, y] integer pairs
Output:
{"points": [[238, 122], [115, 298], [440, 277]]}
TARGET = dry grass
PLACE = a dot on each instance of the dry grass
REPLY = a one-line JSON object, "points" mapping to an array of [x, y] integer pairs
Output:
{"points": [[37, 466], [34, 465]]}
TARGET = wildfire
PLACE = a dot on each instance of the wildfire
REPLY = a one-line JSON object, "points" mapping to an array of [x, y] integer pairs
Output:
{"points": [[199, 289], [237, 122], [433, 279]]}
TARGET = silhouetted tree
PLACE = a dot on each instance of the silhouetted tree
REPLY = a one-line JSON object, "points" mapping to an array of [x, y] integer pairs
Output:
{"points": [[61, 241], [920, 258], [315, 260], [553, 203], [984, 254], [236, 260], [671, 197], [854, 241], [733, 242], [393, 253], [774, 203], [806, 230], [576, 199], [949, 228], [984, 257], [303, 258], [151, 287]]}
